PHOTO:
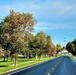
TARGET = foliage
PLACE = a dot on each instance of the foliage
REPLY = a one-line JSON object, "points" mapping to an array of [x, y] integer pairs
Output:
{"points": [[16, 37], [12, 31], [17, 22], [71, 47], [1, 51], [40, 42], [50, 48], [58, 48]]}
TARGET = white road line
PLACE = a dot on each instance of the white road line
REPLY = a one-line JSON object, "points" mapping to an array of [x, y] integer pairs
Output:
{"points": [[54, 67]]}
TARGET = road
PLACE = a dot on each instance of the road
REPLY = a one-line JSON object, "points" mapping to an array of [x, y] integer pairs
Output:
{"points": [[60, 66]]}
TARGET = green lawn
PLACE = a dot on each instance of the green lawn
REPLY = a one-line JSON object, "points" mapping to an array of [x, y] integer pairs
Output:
{"points": [[22, 62]]}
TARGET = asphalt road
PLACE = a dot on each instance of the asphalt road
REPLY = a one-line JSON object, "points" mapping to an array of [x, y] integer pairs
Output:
{"points": [[60, 66]]}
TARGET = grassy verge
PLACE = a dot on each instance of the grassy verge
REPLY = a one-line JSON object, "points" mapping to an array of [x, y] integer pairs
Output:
{"points": [[71, 55], [22, 62]]}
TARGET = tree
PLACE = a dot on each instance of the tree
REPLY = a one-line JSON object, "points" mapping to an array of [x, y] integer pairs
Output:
{"points": [[1, 51], [4, 36], [38, 44], [41, 42], [71, 47], [58, 48], [41, 34], [50, 46], [16, 25], [54, 52], [16, 22], [29, 38], [16, 46]]}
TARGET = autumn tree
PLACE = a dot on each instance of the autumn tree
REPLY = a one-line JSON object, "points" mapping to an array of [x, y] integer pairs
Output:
{"points": [[41, 38], [50, 46], [1, 51], [38, 44], [16, 22], [16, 25]]}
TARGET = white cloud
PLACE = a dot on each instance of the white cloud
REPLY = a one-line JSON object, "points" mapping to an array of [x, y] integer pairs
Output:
{"points": [[47, 7], [46, 10], [52, 26]]}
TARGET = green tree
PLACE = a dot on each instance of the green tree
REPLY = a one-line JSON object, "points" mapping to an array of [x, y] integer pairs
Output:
{"points": [[41, 42], [29, 38], [71, 47], [58, 48], [4, 36], [41, 34]]}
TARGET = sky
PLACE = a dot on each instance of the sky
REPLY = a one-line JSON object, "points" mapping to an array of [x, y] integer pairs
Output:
{"points": [[56, 18]]}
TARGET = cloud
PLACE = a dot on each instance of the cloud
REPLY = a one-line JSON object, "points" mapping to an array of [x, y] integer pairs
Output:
{"points": [[46, 26], [40, 8], [50, 14]]}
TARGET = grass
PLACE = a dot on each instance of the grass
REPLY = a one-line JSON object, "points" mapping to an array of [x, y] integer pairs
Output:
{"points": [[72, 56], [22, 62]]}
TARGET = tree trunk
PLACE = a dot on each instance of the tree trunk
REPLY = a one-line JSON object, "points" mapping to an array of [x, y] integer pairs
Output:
{"points": [[11, 58], [15, 61], [36, 56], [39, 57], [4, 59], [28, 56], [7, 58]]}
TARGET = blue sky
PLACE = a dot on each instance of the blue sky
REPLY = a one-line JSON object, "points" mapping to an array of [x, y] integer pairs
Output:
{"points": [[56, 18]]}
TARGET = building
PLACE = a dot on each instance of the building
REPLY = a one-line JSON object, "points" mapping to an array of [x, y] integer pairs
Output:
{"points": [[65, 52]]}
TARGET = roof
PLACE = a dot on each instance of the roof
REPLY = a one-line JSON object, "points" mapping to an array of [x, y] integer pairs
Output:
{"points": [[64, 51]]}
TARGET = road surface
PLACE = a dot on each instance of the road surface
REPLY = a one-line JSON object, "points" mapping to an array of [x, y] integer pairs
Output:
{"points": [[60, 66]]}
